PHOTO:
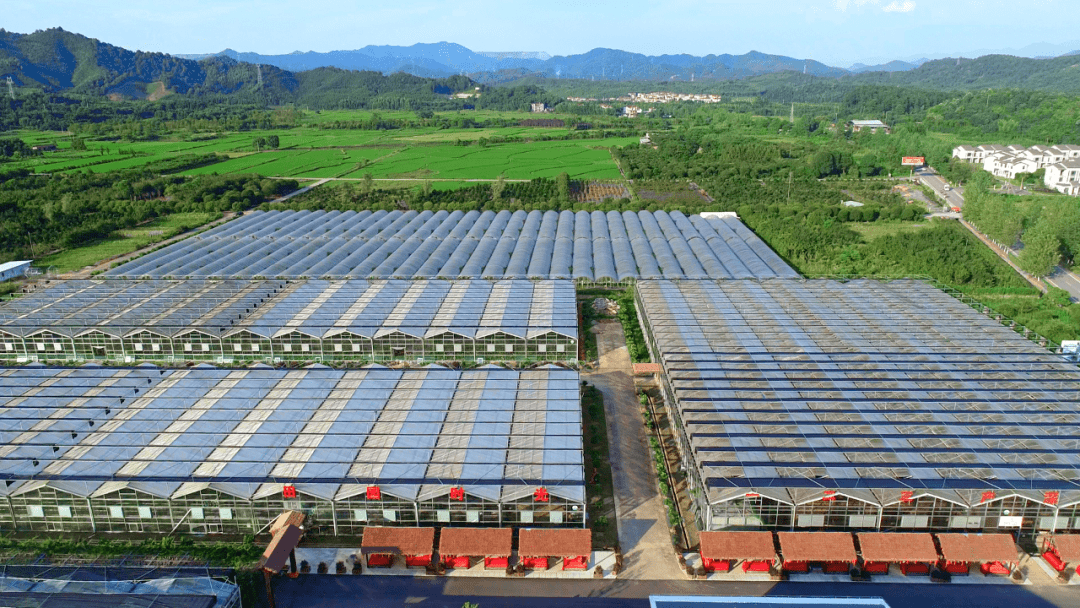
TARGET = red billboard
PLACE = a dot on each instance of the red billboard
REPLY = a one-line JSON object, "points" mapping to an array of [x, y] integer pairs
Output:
{"points": [[915, 161]]}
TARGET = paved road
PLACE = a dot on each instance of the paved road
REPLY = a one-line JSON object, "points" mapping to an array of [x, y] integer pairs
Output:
{"points": [[928, 176], [1063, 279], [644, 536], [326, 591]]}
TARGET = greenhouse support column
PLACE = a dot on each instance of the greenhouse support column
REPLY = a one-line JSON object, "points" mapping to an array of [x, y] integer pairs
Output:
{"points": [[707, 524], [74, 355], [416, 512], [333, 516], [11, 509], [880, 516], [251, 518], [1053, 524], [90, 507]]}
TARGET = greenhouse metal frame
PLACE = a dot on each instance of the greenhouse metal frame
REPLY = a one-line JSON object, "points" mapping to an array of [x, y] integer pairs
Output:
{"points": [[347, 321]]}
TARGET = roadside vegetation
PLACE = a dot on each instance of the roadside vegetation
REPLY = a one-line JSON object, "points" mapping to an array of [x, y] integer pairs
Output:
{"points": [[601, 507]]}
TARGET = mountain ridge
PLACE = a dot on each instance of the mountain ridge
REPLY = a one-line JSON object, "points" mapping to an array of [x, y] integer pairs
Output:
{"points": [[447, 58]]}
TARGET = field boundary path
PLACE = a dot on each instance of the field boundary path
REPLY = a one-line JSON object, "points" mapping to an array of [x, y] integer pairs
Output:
{"points": [[87, 271], [644, 536], [395, 179], [300, 190]]}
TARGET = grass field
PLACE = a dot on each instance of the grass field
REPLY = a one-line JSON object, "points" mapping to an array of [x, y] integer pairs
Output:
{"points": [[873, 230], [310, 152], [515, 161], [74, 259]]}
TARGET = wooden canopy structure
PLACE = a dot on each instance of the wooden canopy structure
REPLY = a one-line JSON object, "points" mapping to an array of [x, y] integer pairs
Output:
{"points": [[572, 545], [996, 553], [720, 550], [913, 551], [1062, 551], [834, 550], [281, 546], [287, 518], [458, 545], [380, 546], [1067, 546]]}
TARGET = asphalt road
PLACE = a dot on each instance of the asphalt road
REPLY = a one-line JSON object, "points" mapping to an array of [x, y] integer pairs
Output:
{"points": [[955, 196], [1063, 279], [325, 591]]}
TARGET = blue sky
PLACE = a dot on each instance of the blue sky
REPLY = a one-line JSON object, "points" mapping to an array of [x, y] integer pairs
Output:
{"points": [[836, 32]]}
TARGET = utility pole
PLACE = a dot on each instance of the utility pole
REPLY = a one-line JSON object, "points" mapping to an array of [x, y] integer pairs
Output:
{"points": [[259, 68], [11, 88]]}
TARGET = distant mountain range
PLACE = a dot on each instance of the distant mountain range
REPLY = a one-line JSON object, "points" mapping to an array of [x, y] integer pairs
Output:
{"points": [[892, 66], [56, 60], [445, 58]]}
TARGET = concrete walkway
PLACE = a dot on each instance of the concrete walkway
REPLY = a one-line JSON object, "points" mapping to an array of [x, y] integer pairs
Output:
{"points": [[644, 536]]}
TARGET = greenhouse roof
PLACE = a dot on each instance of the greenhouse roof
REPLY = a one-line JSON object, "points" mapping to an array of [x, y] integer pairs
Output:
{"points": [[118, 308], [493, 431], [865, 387], [318, 308], [586, 246]]}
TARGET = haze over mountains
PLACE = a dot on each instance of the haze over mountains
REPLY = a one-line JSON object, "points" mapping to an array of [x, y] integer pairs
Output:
{"points": [[446, 58], [443, 59]]}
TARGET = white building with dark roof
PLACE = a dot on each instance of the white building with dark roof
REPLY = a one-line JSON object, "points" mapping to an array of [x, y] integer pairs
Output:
{"points": [[1064, 177], [970, 154], [871, 125]]}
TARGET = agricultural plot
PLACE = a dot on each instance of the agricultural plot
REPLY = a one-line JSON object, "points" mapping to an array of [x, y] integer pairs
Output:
{"points": [[313, 153], [595, 192], [327, 116], [295, 163], [129, 162], [450, 136], [514, 161]]}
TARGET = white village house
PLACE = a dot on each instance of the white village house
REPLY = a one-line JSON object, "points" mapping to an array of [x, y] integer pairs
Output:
{"points": [[1061, 162]]}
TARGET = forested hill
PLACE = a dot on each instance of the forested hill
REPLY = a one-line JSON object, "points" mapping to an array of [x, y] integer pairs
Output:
{"points": [[1057, 75], [55, 60]]}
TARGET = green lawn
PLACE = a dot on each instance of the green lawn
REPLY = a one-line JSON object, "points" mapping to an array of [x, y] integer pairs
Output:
{"points": [[580, 159], [74, 259], [873, 230]]}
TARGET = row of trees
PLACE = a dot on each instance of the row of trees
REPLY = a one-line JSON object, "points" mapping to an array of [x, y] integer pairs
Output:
{"points": [[1045, 228], [41, 213]]}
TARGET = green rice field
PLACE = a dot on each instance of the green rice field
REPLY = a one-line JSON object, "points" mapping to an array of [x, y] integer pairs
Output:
{"points": [[311, 152]]}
